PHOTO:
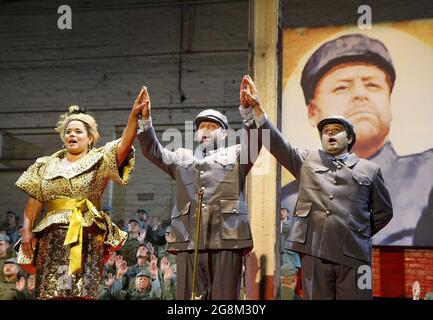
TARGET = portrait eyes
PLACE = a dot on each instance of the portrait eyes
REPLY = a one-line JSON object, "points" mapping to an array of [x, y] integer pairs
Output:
{"points": [[373, 86], [370, 85], [340, 88]]}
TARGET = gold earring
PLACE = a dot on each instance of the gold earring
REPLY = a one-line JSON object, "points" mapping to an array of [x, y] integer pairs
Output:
{"points": [[89, 146]]}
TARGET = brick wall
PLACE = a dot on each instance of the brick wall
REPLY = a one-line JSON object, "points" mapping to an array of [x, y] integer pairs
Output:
{"points": [[395, 269], [191, 55]]}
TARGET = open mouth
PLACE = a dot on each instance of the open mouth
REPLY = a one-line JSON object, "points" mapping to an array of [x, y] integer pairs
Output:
{"points": [[72, 142], [332, 141]]}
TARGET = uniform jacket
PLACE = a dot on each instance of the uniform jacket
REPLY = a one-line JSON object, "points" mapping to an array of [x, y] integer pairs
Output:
{"points": [[221, 175], [409, 180], [340, 205]]}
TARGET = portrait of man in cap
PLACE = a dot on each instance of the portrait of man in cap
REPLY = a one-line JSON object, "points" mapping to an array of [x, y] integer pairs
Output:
{"points": [[354, 75]]}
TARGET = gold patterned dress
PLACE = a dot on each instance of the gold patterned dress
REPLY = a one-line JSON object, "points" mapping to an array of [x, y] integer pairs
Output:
{"points": [[74, 237]]}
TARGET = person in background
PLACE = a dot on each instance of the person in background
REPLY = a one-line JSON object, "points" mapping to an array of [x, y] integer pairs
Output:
{"points": [[8, 286], [129, 249], [143, 218], [5, 252], [146, 285]]}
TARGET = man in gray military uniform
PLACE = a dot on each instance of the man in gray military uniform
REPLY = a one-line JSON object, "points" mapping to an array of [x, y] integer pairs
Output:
{"points": [[5, 252], [10, 272], [218, 174], [353, 76], [342, 203]]}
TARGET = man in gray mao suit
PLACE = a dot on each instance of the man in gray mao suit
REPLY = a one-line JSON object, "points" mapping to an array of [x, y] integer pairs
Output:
{"points": [[342, 203], [213, 175]]}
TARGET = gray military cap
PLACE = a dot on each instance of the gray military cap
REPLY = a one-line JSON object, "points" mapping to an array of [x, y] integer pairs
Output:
{"points": [[348, 48], [12, 261], [4, 237], [348, 126], [288, 270], [144, 273], [213, 116], [134, 220]]}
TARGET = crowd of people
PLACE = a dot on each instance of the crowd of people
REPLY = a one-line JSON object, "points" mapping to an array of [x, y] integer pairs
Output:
{"points": [[141, 270]]}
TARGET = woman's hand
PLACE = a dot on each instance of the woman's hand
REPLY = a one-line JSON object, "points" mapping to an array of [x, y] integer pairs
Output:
{"points": [[138, 103], [28, 242], [31, 212], [130, 131]]}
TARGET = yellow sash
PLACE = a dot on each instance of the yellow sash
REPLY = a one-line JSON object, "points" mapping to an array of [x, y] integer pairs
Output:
{"points": [[74, 236]]}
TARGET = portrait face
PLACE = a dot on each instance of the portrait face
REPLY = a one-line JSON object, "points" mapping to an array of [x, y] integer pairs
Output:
{"points": [[334, 139], [77, 139], [360, 92], [209, 133]]}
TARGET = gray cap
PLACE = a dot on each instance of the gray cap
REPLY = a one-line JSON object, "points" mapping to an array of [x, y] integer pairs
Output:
{"points": [[288, 270], [4, 237], [144, 273], [11, 260], [348, 48], [143, 210], [348, 126], [134, 220], [213, 116]]}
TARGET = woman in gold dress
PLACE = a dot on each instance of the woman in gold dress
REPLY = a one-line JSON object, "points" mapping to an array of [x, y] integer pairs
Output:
{"points": [[69, 245]]}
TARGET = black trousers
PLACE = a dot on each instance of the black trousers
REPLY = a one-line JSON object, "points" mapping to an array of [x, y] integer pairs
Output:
{"points": [[325, 280], [218, 274]]}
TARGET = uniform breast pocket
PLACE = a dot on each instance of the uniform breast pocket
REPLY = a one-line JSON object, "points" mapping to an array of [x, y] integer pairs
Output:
{"points": [[235, 225], [179, 225], [186, 173], [224, 169], [363, 182], [314, 174], [299, 222]]}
